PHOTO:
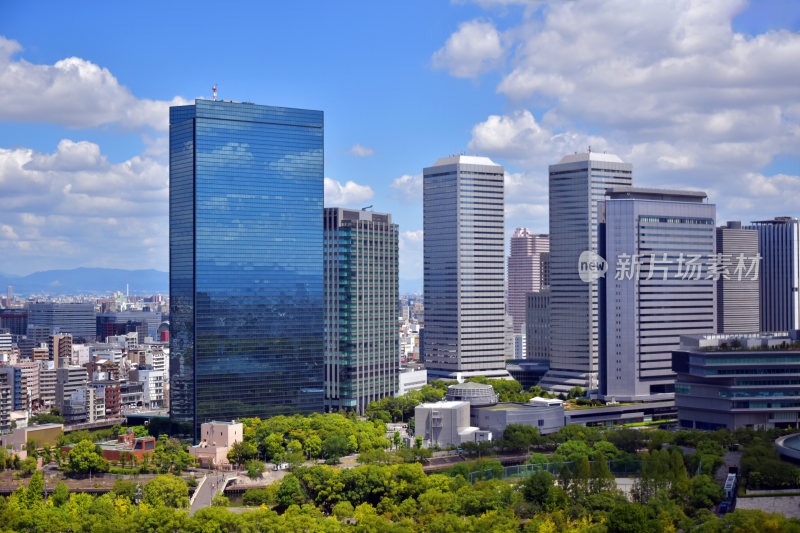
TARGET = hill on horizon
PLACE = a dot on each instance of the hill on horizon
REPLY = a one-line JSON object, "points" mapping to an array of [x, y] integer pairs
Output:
{"points": [[87, 281]]}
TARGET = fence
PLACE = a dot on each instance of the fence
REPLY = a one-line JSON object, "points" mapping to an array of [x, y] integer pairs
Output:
{"points": [[618, 468]]}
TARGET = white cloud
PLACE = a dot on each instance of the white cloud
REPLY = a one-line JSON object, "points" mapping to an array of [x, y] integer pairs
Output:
{"points": [[74, 93], [361, 151], [72, 207], [409, 187], [668, 86], [349, 194], [475, 48]]}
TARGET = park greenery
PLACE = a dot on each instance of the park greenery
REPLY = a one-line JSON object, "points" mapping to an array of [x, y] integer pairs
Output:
{"points": [[569, 483]]}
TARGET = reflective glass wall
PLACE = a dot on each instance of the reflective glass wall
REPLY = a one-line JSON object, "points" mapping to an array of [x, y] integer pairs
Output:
{"points": [[246, 192]]}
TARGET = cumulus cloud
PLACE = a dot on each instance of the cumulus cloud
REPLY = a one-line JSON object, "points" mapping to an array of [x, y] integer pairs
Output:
{"points": [[349, 194], [72, 207], [475, 48], [408, 187], [361, 151], [74, 93], [668, 86]]}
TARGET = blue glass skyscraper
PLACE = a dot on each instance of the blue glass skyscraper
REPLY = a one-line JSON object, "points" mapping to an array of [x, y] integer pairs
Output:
{"points": [[246, 270]]}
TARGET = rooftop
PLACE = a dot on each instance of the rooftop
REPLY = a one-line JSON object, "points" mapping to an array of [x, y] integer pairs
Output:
{"points": [[442, 405], [644, 192], [464, 160], [590, 156]]}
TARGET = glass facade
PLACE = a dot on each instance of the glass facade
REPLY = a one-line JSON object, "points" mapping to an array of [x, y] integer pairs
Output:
{"points": [[246, 280], [361, 287]]}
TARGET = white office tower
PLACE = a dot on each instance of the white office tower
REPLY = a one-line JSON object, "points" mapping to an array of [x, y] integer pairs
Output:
{"points": [[660, 285], [463, 268], [577, 183]]}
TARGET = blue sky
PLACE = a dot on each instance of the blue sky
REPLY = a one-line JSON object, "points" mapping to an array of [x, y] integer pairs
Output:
{"points": [[694, 93]]}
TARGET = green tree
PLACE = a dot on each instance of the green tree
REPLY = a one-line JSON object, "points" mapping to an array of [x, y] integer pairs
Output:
{"points": [[35, 489], [241, 452], [125, 488], [335, 447], [313, 446], [60, 494], [630, 518], [397, 440], [289, 492], [28, 466], [84, 459], [601, 478], [537, 487], [255, 468], [220, 500], [167, 490], [273, 446]]}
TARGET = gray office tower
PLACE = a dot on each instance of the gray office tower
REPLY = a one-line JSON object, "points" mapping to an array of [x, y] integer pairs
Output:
{"points": [[362, 340], [660, 245], [738, 298], [779, 274], [577, 183], [246, 266], [77, 319], [463, 268]]}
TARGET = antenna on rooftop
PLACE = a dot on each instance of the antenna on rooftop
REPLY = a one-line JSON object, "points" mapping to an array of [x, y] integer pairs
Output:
{"points": [[214, 88]]}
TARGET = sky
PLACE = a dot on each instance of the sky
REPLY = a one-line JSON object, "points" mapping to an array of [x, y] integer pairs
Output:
{"points": [[700, 94]]}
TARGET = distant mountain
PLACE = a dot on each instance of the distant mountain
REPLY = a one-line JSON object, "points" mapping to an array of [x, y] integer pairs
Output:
{"points": [[87, 281]]}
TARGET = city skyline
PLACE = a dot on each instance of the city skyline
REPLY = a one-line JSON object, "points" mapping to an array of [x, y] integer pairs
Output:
{"points": [[86, 163]]}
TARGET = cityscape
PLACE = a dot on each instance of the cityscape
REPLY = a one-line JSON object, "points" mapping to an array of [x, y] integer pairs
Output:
{"points": [[496, 274]]}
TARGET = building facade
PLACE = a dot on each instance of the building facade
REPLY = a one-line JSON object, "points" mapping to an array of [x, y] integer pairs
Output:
{"points": [[77, 319], [779, 273], [733, 381], [577, 184], [463, 268], [738, 294], [361, 294], [659, 245], [524, 272], [246, 280], [537, 325]]}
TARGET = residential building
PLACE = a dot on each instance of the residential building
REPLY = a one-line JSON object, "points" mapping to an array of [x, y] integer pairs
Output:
{"points": [[577, 184], [246, 265], [361, 294], [6, 400], [6, 343], [738, 380], [464, 268], [110, 392], [14, 380], [524, 272], [77, 319], [68, 380], [152, 385], [738, 294], [537, 325], [779, 273], [47, 386], [660, 248], [60, 349], [29, 372]]}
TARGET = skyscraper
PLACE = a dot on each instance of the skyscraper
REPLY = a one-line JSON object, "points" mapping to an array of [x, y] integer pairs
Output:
{"points": [[659, 245], [779, 273], [463, 268], [524, 272], [246, 280], [577, 183], [738, 298], [362, 339]]}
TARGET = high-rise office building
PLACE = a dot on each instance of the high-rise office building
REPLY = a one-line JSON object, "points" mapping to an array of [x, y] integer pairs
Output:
{"points": [[246, 280], [577, 183], [77, 319], [779, 273], [464, 268], [361, 294], [537, 324], [524, 272], [660, 245], [738, 295], [10, 293]]}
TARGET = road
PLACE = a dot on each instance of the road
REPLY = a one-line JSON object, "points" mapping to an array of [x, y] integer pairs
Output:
{"points": [[208, 488]]}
